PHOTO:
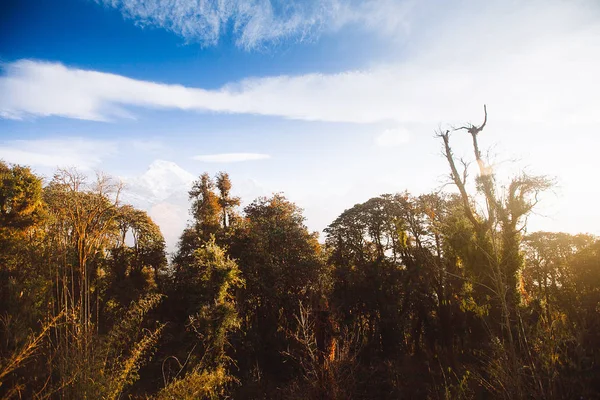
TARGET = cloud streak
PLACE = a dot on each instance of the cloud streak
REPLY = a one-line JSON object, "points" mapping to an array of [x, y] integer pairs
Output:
{"points": [[231, 157], [58, 152]]}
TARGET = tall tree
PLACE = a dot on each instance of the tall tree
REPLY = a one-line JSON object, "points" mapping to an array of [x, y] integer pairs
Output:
{"points": [[226, 201], [281, 264], [205, 291], [24, 289], [493, 253], [206, 208]]}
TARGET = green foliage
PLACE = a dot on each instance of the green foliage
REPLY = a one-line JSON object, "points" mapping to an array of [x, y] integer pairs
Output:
{"points": [[127, 347], [281, 264], [210, 285], [20, 198], [431, 296], [197, 385], [206, 208]]}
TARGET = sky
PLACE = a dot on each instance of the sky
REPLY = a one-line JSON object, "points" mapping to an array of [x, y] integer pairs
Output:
{"points": [[331, 102]]}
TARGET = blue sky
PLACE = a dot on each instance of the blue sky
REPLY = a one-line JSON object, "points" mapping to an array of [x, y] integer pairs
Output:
{"points": [[330, 101]]}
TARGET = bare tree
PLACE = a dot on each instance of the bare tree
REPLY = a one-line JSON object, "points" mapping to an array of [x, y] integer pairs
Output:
{"points": [[497, 232]]}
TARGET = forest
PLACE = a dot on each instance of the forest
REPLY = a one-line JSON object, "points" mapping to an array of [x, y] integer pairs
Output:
{"points": [[444, 295]]}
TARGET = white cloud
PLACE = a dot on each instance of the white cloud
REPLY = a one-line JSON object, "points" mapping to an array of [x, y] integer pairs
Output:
{"points": [[231, 157], [544, 68], [51, 153], [254, 23], [393, 137]]}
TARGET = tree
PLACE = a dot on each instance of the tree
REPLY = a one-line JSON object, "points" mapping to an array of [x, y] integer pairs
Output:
{"points": [[210, 213], [206, 208], [61, 239], [226, 201], [393, 269], [21, 211], [87, 216], [202, 296], [24, 289], [281, 264], [148, 243], [206, 291], [493, 253], [548, 270], [20, 197], [498, 230]]}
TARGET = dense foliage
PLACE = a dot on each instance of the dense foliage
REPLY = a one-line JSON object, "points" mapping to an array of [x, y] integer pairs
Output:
{"points": [[441, 295]]}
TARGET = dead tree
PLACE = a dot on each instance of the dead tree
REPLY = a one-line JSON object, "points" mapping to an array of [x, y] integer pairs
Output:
{"points": [[497, 231]]}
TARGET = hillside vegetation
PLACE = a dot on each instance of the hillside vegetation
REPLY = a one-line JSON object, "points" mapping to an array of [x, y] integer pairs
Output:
{"points": [[443, 295]]}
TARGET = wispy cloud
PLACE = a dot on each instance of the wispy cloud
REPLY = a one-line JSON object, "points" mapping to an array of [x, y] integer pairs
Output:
{"points": [[231, 157], [539, 70], [51, 153], [255, 23]]}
